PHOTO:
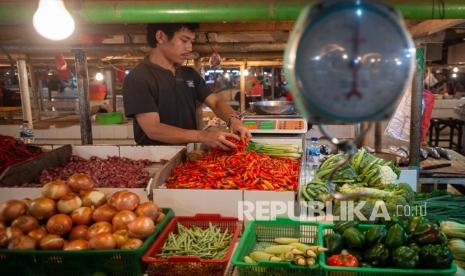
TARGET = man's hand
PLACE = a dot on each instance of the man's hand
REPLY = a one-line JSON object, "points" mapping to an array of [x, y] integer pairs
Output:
{"points": [[238, 127], [217, 139]]}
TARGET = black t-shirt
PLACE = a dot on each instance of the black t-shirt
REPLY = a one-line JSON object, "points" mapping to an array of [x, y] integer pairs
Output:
{"points": [[152, 88]]}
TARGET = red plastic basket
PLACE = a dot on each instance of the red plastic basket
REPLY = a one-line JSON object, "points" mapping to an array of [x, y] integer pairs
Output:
{"points": [[191, 265]]}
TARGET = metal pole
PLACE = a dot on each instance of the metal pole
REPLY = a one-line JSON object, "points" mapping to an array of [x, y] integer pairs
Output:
{"points": [[24, 89], [415, 124], [272, 82], [35, 92], [110, 83], [41, 96], [82, 78], [242, 87], [378, 137]]}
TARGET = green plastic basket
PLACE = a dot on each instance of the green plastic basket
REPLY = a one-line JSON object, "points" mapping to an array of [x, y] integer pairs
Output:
{"points": [[324, 229], [260, 234], [58, 262]]}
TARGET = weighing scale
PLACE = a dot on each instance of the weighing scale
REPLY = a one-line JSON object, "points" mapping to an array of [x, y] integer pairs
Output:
{"points": [[275, 124], [348, 61]]}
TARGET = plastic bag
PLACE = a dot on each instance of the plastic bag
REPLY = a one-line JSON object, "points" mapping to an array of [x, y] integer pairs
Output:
{"points": [[427, 111], [399, 125]]}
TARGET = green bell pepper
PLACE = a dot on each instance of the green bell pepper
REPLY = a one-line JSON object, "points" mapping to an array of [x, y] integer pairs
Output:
{"points": [[375, 235], [414, 246], [405, 257], [341, 226], [413, 223], [378, 255], [334, 242], [396, 236], [427, 234], [354, 238], [436, 256]]}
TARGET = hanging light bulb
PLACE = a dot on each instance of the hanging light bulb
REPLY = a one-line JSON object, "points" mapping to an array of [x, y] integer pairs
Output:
{"points": [[99, 76], [52, 20], [455, 69], [246, 72], [454, 75]]}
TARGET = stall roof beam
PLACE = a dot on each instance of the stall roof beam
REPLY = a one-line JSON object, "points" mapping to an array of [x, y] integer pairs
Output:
{"points": [[102, 12]]}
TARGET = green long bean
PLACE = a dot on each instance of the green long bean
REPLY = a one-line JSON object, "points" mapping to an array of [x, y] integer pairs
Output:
{"points": [[208, 243]]}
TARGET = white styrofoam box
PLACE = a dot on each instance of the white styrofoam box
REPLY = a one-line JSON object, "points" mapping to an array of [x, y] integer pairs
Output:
{"points": [[130, 130], [188, 202], [11, 130], [19, 193], [153, 153], [410, 177], [99, 151], [264, 201]]}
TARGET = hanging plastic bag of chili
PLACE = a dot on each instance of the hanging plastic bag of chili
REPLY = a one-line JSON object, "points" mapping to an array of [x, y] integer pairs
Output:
{"points": [[427, 111]]}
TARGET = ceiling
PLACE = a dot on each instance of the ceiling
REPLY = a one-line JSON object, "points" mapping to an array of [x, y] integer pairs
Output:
{"points": [[125, 43]]}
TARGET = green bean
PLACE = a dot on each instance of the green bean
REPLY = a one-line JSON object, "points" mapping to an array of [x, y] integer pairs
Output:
{"points": [[208, 243]]}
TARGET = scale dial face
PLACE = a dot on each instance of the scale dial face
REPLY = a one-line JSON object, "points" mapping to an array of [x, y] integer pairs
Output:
{"points": [[351, 62]]}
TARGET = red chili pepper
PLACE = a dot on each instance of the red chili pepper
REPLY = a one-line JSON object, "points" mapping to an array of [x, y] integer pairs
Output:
{"points": [[240, 169]]}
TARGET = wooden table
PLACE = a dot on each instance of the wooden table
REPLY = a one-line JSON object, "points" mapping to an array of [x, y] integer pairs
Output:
{"points": [[455, 174]]}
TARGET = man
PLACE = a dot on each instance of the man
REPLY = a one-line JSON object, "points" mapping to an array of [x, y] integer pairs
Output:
{"points": [[161, 95]]}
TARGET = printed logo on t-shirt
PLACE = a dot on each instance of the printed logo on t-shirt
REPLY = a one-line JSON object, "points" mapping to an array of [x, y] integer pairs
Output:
{"points": [[190, 83]]}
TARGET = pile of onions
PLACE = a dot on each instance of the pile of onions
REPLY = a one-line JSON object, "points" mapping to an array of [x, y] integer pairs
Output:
{"points": [[72, 216]]}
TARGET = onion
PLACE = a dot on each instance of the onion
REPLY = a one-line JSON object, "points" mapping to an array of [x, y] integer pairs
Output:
{"points": [[80, 182], [26, 223], [26, 201], [69, 203], [148, 209], [82, 215], [55, 189], [98, 228], [132, 244], [76, 245], [2, 224], [161, 216], [124, 200], [23, 242], [38, 233], [122, 218], [51, 242], [11, 209], [3, 238], [59, 224], [103, 241], [141, 227], [121, 236], [12, 233], [104, 213], [93, 198], [42, 208], [79, 232]]}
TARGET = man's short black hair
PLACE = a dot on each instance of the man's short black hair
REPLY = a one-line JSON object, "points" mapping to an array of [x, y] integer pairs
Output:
{"points": [[168, 28]]}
